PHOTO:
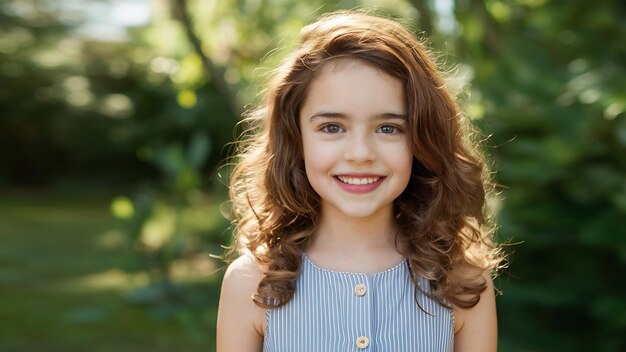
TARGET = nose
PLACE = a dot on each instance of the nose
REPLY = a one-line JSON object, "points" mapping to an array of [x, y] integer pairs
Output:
{"points": [[360, 148]]}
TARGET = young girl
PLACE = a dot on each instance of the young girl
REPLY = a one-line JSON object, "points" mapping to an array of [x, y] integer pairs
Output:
{"points": [[359, 205]]}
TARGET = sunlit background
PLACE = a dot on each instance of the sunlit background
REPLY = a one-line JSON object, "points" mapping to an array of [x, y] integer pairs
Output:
{"points": [[115, 115]]}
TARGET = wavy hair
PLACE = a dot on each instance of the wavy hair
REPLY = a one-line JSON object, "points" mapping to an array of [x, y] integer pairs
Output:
{"points": [[440, 215]]}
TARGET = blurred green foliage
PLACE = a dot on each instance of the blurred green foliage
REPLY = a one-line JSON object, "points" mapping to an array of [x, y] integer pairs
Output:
{"points": [[66, 283], [148, 116], [550, 82]]}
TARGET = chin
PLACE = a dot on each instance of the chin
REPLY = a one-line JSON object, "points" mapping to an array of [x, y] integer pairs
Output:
{"points": [[359, 212]]}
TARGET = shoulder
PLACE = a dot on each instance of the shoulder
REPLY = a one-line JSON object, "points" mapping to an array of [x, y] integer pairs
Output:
{"points": [[241, 281], [476, 328], [243, 274], [240, 322]]}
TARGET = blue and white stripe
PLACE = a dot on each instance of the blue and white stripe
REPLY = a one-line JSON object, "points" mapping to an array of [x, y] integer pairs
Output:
{"points": [[326, 314]]}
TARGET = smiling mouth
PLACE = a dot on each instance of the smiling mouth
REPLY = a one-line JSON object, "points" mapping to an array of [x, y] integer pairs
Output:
{"points": [[358, 180]]}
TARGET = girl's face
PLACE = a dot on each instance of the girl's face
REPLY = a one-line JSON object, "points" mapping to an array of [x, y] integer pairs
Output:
{"points": [[356, 149]]}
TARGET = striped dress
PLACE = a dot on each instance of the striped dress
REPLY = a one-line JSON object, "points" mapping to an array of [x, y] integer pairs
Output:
{"points": [[340, 311]]}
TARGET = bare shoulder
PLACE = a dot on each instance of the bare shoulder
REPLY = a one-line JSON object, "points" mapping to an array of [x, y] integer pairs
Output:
{"points": [[243, 274], [476, 328], [240, 322]]}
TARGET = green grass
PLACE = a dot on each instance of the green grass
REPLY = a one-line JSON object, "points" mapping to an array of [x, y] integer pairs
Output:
{"points": [[63, 287]]}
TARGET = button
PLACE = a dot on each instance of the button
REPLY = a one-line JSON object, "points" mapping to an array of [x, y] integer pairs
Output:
{"points": [[360, 290], [362, 342]]}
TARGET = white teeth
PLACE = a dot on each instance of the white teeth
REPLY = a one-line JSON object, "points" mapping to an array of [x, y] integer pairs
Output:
{"points": [[358, 180]]}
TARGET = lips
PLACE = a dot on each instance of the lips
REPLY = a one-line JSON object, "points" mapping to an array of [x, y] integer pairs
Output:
{"points": [[359, 183]]}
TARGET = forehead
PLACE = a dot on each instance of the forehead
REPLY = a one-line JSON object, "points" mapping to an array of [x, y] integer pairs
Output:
{"points": [[354, 86]]}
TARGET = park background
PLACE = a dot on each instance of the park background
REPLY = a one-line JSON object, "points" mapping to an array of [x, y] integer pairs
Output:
{"points": [[115, 116]]}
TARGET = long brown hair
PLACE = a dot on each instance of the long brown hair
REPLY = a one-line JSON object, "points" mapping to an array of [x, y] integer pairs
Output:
{"points": [[440, 215]]}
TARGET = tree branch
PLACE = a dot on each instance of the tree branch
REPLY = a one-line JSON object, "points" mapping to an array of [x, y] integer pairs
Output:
{"points": [[216, 74]]}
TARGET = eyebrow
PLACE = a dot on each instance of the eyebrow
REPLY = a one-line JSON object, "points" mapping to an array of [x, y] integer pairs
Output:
{"points": [[342, 116]]}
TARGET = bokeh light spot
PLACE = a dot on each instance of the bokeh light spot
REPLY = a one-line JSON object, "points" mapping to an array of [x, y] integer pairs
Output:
{"points": [[187, 98], [122, 207]]}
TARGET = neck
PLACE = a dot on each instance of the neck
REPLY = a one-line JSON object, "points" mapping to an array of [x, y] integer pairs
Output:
{"points": [[340, 231], [363, 244]]}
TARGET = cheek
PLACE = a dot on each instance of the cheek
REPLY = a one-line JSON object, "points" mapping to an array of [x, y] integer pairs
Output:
{"points": [[317, 153], [313, 162], [316, 161], [315, 172], [403, 163]]}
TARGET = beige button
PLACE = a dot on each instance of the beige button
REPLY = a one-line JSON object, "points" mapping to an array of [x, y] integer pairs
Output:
{"points": [[362, 342], [360, 290]]}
